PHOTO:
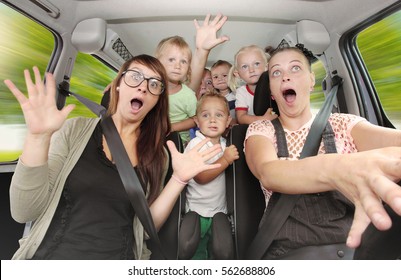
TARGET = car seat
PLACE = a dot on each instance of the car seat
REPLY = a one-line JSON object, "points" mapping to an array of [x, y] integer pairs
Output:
{"points": [[381, 245], [262, 97], [245, 199], [220, 247], [169, 232]]}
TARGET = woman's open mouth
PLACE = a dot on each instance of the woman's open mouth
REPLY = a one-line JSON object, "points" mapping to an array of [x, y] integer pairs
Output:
{"points": [[289, 95], [136, 104]]}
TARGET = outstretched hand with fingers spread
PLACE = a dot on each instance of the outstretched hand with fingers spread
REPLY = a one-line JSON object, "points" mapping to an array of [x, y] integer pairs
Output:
{"points": [[188, 165], [206, 35], [40, 110], [370, 184]]}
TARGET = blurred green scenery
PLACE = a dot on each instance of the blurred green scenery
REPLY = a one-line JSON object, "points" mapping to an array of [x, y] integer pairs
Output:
{"points": [[25, 44]]}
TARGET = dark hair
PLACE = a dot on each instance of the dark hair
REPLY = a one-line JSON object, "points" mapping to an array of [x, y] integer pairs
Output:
{"points": [[153, 130], [296, 49]]}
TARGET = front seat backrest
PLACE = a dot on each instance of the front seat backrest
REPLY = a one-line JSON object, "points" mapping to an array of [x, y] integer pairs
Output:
{"points": [[262, 98], [244, 195], [245, 198]]}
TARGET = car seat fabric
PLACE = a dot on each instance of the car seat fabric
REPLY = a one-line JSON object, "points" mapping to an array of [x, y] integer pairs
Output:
{"points": [[189, 235], [381, 245], [105, 98], [169, 232], [245, 199], [222, 241], [262, 98]]}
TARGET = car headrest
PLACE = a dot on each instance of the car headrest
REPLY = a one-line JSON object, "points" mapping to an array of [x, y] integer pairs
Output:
{"points": [[262, 98]]}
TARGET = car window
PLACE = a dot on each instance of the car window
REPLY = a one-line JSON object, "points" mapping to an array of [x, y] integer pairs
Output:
{"points": [[380, 48], [89, 78], [19, 49], [317, 96]]}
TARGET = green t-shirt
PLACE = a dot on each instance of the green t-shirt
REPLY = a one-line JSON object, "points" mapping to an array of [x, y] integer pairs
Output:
{"points": [[182, 105]]}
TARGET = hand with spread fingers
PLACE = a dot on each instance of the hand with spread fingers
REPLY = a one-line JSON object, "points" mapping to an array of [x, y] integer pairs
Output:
{"points": [[187, 165], [206, 34], [39, 108]]}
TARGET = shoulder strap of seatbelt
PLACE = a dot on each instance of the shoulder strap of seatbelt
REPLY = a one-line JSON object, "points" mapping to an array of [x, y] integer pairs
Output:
{"points": [[285, 203]]}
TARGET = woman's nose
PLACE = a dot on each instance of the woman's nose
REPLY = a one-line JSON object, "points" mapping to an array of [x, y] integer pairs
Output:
{"points": [[143, 86], [286, 78]]}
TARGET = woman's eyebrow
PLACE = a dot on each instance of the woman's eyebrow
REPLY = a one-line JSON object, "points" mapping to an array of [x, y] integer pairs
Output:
{"points": [[292, 61]]}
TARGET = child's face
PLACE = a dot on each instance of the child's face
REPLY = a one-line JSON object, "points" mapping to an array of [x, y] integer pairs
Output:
{"points": [[220, 77], [251, 65], [206, 84], [176, 62], [213, 118]]}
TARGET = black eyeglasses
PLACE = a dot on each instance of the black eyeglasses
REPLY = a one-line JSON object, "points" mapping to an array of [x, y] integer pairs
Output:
{"points": [[133, 78]]}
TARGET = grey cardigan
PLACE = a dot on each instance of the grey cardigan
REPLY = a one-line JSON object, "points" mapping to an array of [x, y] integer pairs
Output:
{"points": [[35, 191]]}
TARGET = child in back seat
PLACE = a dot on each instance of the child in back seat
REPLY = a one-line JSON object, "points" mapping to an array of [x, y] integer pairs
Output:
{"points": [[205, 231], [249, 64], [185, 71]]}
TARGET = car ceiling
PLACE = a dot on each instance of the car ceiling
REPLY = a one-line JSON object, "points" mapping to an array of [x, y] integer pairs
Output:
{"points": [[142, 24]]}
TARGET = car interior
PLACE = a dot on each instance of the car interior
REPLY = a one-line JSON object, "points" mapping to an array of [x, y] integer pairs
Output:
{"points": [[112, 31]]}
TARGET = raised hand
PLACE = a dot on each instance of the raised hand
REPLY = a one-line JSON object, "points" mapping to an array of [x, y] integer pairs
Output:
{"points": [[188, 165], [40, 111], [206, 35], [41, 116]]}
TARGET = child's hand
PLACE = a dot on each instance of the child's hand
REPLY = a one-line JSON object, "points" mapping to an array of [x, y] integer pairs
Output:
{"points": [[206, 35], [231, 154], [270, 114]]}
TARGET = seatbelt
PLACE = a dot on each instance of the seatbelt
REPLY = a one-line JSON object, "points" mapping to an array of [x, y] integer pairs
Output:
{"points": [[127, 173], [285, 203]]}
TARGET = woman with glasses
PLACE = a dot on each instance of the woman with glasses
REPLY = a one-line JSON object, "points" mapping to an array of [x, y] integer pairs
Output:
{"points": [[66, 180]]}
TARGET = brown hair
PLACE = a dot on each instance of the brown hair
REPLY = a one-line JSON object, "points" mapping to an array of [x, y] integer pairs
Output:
{"points": [[295, 49], [212, 95], [153, 130]]}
